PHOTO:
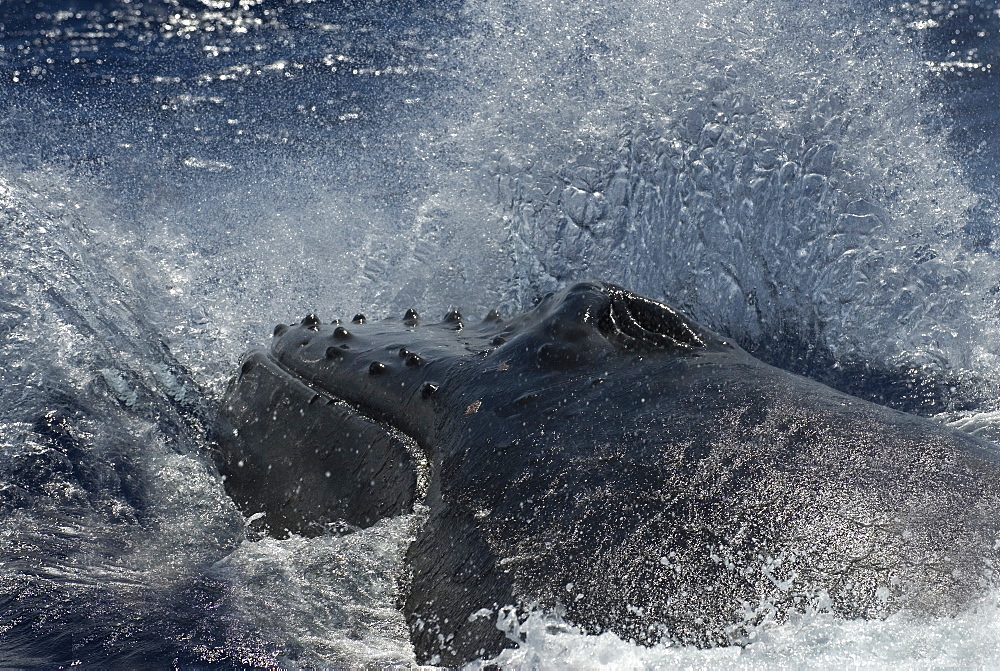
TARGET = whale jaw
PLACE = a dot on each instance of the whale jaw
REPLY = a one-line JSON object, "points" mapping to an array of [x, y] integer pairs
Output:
{"points": [[306, 462]]}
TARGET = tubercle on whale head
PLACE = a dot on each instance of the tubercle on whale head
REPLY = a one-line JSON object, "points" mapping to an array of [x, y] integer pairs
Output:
{"points": [[386, 366], [393, 370], [584, 322]]}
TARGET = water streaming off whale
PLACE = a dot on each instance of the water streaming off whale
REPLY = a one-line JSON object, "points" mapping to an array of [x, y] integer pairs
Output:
{"points": [[180, 175]]}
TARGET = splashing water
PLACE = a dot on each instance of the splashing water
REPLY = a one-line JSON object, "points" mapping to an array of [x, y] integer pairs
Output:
{"points": [[758, 166], [811, 640], [180, 174]]}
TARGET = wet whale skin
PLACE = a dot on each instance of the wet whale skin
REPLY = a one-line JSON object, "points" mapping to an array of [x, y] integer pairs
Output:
{"points": [[604, 455]]}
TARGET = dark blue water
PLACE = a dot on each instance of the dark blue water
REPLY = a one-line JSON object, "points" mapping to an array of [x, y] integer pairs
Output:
{"points": [[176, 176]]}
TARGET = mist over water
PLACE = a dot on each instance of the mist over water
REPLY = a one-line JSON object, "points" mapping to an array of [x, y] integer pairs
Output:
{"points": [[777, 173], [180, 175]]}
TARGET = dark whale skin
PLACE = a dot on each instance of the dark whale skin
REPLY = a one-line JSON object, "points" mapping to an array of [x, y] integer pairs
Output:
{"points": [[604, 455]]}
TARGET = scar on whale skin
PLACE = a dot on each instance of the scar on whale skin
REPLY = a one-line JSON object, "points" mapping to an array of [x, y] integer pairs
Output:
{"points": [[607, 455]]}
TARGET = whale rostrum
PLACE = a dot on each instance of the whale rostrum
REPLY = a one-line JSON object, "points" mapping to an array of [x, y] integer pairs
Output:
{"points": [[605, 455]]}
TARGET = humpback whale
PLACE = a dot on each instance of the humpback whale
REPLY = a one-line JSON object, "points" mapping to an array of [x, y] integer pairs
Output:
{"points": [[608, 457]]}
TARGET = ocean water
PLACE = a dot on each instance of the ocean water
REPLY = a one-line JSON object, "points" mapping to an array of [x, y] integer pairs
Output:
{"points": [[818, 182]]}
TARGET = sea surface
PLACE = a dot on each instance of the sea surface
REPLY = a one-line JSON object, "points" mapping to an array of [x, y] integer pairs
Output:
{"points": [[817, 181]]}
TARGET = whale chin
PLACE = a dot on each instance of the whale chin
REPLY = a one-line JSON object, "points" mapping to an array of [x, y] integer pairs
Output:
{"points": [[604, 454]]}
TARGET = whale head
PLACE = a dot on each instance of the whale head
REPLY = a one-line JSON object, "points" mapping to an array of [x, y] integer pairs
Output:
{"points": [[343, 383]]}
